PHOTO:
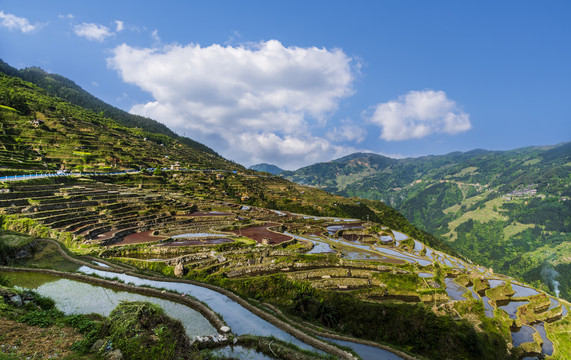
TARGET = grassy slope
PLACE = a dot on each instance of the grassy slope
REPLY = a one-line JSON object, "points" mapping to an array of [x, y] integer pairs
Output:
{"points": [[68, 135], [66, 89]]}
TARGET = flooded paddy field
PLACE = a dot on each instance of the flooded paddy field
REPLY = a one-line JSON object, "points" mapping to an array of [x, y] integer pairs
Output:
{"points": [[75, 297]]}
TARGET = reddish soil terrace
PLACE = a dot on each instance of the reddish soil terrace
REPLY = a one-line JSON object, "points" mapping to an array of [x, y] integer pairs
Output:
{"points": [[200, 214], [258, 233], [141, 237], [198, 242]]}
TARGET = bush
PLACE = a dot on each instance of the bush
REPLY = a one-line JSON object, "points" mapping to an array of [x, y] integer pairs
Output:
{"points": [[41, 318], [143, 331]]}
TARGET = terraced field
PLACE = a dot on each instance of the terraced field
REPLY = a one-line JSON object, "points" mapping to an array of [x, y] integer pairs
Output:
{"points": [[243, 247]]}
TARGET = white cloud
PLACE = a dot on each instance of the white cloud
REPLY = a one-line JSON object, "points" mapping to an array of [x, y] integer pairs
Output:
{"points": [[347, 133], [119, 26], [289, 152], [155, 35], [68, 16], [13, 22], [418, 114], [222, 95], [92, 32]]}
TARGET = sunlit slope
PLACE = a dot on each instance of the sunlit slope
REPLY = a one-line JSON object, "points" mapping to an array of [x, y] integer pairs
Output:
{"points": [[41, 132]]}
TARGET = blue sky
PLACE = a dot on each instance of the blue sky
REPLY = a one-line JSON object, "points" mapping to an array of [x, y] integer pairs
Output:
{"points": [[297, 82]]}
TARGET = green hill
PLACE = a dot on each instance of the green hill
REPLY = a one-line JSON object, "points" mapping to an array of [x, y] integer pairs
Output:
{"points": [[43, 132], [66, 89], [509, 210]]}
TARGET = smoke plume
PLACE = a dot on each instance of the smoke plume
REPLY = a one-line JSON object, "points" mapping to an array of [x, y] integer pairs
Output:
{"points": [[549, 274]]}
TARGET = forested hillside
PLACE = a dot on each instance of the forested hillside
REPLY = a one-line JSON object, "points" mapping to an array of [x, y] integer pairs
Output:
{"points": [[509, 210]]}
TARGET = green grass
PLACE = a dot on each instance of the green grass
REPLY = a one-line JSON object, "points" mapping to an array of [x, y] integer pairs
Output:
{"points": [[483, 214], [4, 107], [559, 333], [14, 239], [50, 258]]}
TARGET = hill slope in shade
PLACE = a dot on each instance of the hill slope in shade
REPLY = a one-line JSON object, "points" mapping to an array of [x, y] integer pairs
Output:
{"points": [[510, 210]]}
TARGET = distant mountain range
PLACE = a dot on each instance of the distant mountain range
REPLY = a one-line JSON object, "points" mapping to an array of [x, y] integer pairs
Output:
{"points": [[264, 167], [510, 210]]}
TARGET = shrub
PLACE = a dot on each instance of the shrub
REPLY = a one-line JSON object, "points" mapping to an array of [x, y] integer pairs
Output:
{"points": [[143, 331]]}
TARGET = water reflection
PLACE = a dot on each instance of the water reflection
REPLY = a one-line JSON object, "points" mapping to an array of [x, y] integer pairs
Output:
{"points": [[511, 308], [75, 297], [554, 303], [366, 352], [547, 347], [474, 295], [425, 275], [240, 320], [523, 291], [454, 290], [399, 236], [239, 352], [488, 308], [523, 335]]}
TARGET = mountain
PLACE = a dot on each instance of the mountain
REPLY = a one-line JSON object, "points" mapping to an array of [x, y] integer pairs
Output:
{"points": [[509, 210], [64, 88], [40, 132], [269, 168], [325, 263]]}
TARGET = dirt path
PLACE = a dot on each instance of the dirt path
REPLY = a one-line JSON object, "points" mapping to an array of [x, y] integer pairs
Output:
{"points": [[39, 343]]}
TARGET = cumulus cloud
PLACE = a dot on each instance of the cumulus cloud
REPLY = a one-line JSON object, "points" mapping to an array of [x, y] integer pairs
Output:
{"points": [[92, 32], [13, 22], [418, 114], [245, 101]]}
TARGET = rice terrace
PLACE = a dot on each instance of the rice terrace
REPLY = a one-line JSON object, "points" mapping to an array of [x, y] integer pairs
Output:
{"points": [[294, 180]]}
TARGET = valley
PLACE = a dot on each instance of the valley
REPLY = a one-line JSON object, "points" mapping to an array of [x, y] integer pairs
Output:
{"points": [[508, 210]]}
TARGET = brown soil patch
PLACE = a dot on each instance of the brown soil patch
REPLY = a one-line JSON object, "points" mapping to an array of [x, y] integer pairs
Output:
{"points": [[140, 237], [258, 233], [198, 242], [32, 342], [200, 214]]}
